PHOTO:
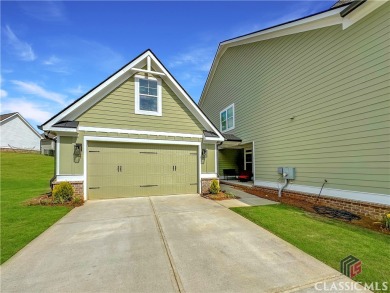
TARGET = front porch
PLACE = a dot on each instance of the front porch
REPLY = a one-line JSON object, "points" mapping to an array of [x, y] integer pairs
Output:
{"points": [[235, 182], [235, 162]]}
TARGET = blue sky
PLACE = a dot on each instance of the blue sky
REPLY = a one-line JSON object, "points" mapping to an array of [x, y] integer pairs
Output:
{"points": [[52, 52]]}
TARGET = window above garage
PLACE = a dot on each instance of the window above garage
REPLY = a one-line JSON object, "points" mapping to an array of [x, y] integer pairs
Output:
{"points": [[148, 100]]}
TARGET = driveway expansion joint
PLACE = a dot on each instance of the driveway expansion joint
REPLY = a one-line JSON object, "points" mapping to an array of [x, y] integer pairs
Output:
{"points": [[169, 255]]}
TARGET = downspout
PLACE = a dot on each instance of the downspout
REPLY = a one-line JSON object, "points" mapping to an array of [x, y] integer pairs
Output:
{"points": [[282, 187]]}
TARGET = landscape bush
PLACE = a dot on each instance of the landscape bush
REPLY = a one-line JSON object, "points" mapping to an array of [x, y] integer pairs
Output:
{"points": [[63, 192], [214, 187]]}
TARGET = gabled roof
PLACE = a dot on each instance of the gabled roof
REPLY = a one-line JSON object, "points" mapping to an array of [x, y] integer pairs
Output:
{"points": [[338, 14], [4, 118], [82, 104]]}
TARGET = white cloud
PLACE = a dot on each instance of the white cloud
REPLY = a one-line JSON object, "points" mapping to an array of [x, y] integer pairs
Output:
{"points": [[52, 60], [18, 47], [103, 57], [3, 93], [28, 109], [44, 10], [32, 88], [198, 58], [77, 90], [55, 64]]}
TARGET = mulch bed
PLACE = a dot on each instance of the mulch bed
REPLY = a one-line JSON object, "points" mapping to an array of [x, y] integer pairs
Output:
{"points": [[365, 222], [47, 200], [220, 196]]}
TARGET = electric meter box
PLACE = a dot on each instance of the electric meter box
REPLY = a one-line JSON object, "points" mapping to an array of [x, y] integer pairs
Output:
{"points": [[289, 172]]}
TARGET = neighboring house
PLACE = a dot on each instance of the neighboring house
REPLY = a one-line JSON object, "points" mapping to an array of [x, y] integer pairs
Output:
{"points": [[138, 133], [48, 144], [17, 133], [313, 94]]}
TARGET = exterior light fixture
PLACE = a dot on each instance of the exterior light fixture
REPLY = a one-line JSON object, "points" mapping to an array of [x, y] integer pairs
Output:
{"points": [[77, 149]]}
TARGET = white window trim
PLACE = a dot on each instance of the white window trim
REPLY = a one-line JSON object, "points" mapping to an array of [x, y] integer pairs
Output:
{"points": [[234, 119], [137, 96]]}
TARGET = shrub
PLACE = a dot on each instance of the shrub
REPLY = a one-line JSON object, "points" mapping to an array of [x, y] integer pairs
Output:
{"points": [[63, 192], [78, 201], [214, 187]]}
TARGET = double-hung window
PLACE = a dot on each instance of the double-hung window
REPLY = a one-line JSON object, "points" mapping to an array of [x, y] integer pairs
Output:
{"points": [[227, 118], [148, 96]]}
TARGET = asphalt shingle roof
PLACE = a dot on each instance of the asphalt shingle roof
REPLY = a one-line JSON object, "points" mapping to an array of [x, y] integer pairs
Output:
{"points": [[5, 116]]}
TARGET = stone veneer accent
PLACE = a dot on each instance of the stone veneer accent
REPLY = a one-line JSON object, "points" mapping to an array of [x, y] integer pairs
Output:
{"points": [[373, 211], [206, 184], [78, 187]]}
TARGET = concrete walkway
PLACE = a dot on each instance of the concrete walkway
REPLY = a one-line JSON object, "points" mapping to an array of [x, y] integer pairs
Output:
{"points": [[245, 200], [181, 243]]}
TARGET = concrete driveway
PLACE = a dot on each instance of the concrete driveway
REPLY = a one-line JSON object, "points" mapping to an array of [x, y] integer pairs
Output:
{"points": [[161, 244]]}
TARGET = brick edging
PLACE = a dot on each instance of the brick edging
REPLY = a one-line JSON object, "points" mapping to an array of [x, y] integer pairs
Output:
{"points": [[78, 187], [374, 211]]}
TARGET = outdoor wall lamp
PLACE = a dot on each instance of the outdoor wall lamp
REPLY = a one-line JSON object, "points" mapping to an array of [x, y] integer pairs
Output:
{"points": [[204, 153], [77, 149]]}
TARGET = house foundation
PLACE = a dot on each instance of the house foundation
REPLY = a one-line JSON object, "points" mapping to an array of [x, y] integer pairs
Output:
{"points": [[373, 211]]}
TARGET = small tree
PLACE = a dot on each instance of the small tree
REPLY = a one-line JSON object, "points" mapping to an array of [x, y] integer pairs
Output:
{"points": [[63, 192], [214, 187]]}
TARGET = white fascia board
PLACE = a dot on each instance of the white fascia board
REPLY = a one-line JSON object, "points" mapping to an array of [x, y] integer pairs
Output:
{"points": [[361, 11], [139, 132], [331, 192], [190, 104], [212, 139], [139, 140], [62, 131], [325, 19], [101, 91]]}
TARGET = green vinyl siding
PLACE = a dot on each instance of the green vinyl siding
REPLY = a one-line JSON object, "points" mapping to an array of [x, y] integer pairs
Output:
{"points": [[208, 163], [316, 100], [69, 164], [230, 159], [117, 110]]}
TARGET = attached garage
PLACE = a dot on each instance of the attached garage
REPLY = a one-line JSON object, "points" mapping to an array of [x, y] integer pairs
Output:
{"points": [[135, 169], [137, 133]]}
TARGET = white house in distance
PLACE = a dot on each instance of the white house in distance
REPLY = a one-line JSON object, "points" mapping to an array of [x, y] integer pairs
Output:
{"points": [[17, 133]]}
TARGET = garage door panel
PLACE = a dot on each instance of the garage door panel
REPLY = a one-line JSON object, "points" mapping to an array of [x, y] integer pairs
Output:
{"points": [[146, 169]]}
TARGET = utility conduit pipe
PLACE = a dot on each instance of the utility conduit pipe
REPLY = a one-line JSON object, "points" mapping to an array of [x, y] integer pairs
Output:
{"points": [[282, 187]]}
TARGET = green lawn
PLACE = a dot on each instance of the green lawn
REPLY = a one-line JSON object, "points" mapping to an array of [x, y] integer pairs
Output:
{"points": [[326, 239], [24, 176]]}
